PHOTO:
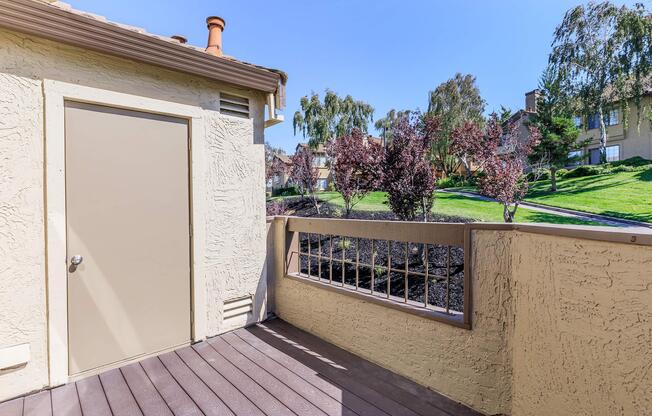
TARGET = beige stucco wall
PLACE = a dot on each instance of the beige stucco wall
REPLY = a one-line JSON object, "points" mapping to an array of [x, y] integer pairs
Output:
{"points": [[582, 340], [561, 326], [235, 225], [472, 367]]}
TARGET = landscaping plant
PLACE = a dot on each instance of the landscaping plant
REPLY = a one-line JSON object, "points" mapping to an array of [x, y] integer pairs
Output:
{"points": [[504, 179], [355, 163], [305, 174], [409, 177]]}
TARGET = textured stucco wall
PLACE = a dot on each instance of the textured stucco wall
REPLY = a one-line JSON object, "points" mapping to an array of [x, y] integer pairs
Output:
{"points": [[472, 367], [235, 224], [582, 339]]}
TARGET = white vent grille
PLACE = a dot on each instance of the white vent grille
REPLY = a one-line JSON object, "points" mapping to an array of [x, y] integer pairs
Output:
{"points": [[238, 307], [234, 106]]}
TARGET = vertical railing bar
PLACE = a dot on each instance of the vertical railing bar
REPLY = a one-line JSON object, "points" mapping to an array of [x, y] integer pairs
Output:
{"points": [[330, 260], [425, 293], [343, 242], [309, 257], [448, 278], [373, 263], [319, 257], [406, 271], [389, 267], [357, 263]]}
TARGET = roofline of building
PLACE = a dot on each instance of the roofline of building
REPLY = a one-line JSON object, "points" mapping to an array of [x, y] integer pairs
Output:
{"points": [[43, 20]]}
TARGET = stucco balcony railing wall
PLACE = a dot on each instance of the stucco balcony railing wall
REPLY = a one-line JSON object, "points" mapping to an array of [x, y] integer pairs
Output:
{"points": [[553, 319]]}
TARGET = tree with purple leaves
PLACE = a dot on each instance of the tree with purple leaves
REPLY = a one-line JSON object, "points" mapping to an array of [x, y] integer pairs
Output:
{"points": [[305, 174], [504, 178], [409, 177], [471, 145], [355, 163]]}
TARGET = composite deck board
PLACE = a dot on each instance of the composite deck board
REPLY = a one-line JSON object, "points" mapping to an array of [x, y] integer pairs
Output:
{"points": [[330, 404], [257, 394], [39, 404], [65, 401], [173, 394], [118, 394], [91, 397], [291, 398], [338, 375], [148, 398], [269, 369], [231, 396], [209, 403], [252, 345], [12, 407], [385, 382]]}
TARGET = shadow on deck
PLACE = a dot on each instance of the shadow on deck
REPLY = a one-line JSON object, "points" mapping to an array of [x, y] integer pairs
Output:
{"points": [[268, 369]]}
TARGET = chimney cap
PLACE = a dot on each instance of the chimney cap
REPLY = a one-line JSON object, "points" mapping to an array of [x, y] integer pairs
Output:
{"points": [[180, 38], [215, 20]]}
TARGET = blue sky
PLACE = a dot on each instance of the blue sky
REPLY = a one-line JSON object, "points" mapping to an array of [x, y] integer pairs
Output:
{"points": [[387, 53]]}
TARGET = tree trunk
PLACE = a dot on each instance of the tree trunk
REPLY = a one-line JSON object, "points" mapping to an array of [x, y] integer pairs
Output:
{"points": [[508, 215], [553, 179], [603, 137], [467, 167]]}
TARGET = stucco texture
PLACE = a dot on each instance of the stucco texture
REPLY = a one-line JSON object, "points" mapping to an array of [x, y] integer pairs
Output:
{"points": [[582, 340], [561, 326], [469, 366], [234, 230]]}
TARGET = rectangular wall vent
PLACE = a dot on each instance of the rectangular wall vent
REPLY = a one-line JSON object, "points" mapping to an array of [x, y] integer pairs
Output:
{"points": [[238, 307], [232, 105]]}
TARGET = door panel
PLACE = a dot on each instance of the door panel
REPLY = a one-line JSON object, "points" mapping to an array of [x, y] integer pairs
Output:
{"points": [[127, 202]]}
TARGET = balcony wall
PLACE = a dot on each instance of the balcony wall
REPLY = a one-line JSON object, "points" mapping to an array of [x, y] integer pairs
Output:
{"points": [[560, 324]]}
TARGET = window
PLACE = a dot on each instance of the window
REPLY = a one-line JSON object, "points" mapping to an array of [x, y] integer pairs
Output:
{"points": [[594, 121], [322, 184], [575, 158], [578, 121], [613, 153], [613, 118], [320, 161]]}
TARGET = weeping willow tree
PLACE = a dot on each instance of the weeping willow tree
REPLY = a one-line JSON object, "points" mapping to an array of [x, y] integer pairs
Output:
{"points": [[387, 124], [602, 55], [334, 117], [453, 102]]}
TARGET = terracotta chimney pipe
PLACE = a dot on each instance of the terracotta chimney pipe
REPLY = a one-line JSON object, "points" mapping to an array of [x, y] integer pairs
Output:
{"points": [[215, 27]]}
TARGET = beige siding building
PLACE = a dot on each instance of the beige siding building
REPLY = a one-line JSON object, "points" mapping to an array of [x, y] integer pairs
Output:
{"points": [[132, 212]]}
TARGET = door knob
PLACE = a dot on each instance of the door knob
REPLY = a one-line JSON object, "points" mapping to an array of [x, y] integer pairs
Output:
{"points": [[76, 260]]}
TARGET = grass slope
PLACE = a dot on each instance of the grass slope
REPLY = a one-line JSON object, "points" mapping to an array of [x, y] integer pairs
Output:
{"points": [[457, 205], [624, 195]]}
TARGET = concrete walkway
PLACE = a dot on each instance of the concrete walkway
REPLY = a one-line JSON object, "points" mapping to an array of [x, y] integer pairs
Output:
{"points": [[631, 225]]}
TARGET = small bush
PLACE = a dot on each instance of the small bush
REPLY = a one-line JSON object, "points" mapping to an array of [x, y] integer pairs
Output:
{"points": [[584, 170], [289, 191], [455, 181], [540, 174], [561, 172], [632, 161], [622, 168]]}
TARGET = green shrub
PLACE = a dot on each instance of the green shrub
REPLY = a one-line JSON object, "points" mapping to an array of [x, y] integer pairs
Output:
{"points": [[584, 170], [622, 168], [643, 168], [289, 191], [540, 174], [632, 161], [561, 172], [455, 181]]}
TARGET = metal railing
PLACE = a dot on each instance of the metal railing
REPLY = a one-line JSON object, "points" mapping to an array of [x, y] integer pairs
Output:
{"points": [[418, 267]]}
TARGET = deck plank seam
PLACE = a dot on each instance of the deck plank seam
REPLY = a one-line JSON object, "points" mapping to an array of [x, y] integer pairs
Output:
{"points": [[131, 392], [81, 410], [155, 388], [333, 382], [108, 402], [234, 386], [180, 386]]}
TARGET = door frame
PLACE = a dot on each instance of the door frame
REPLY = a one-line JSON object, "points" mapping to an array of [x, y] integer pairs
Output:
{"points": [[55, 94]]}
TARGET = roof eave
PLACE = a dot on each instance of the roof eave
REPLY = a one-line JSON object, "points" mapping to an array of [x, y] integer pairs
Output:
{"points": [[42, 20]]}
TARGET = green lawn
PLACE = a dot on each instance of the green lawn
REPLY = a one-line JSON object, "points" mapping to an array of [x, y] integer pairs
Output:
{"points": [[624, 195], [456, 205]]}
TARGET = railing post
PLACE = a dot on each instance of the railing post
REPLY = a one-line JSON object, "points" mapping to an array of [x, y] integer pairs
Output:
{"points": [[291, 254]]}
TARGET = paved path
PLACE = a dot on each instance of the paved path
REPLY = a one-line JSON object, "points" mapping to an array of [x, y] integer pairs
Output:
{"points": [[563, 212]]}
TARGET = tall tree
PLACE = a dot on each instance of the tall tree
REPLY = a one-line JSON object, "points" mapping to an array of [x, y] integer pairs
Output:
{"points": [[305, 174], [453, 102], [559, 135], [334, 117], [470, 144], [356, 167], [602, 55], [386, 124], [273, 165], [409, 176]]}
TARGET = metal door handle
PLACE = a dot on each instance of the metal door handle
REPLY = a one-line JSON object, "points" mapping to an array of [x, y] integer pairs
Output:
{"points": [[76, 260]]}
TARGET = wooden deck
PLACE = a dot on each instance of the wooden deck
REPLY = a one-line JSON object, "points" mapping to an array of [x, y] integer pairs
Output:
{"points": [[268, 369]]}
